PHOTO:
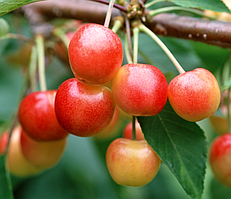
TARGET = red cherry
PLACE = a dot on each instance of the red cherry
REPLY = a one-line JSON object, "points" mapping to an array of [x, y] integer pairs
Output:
{"points": [[37, 116], [140, 89], [194, 95], [95, 54], [83, 110], [219, 158]]}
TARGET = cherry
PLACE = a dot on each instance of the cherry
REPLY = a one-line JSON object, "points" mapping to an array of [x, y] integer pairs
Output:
{"points": [[95, 54], [140, 89], [83, 110], [219, 158], [16, 162], [37, 116], [127, 133], [43, 155], [132, 162], [194, 95]]}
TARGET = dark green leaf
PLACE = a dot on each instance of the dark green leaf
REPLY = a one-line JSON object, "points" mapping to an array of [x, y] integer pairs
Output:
{"points": [[215, 5], [6, 187], [181, 145], [10, 5]]}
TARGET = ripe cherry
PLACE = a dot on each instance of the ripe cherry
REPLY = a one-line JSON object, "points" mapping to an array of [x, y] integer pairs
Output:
{"points": [[194, 95], [132, 162], [140, 89], [95, 54], [16, 162], [83, 110], [219, 158], [37, 116], [127, 133]]}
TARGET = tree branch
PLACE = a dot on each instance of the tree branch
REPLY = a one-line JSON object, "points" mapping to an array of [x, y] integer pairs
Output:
{"points": [[212, 32], [202, 30]]}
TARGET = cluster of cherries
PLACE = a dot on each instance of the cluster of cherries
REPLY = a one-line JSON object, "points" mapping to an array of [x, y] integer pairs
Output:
{"points": [[84, 106]]}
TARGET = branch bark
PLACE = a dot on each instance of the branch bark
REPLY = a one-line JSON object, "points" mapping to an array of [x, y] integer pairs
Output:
{"points": [[212, 32]]}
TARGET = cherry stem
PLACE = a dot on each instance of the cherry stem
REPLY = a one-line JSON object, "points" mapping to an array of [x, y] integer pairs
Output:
{"points": [[126, 49], [62, 35], [135, 44], [146, 30], [133, 127], [109, 11], [32, 69], [177, 8], [116, 26], [41, 61]]}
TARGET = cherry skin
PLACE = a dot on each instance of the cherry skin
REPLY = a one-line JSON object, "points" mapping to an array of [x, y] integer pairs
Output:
{"points": [[219, 158], [95, 54], [127, 133], [194, 95], [16, 162], [140, 89], [43, 155], [37, 116], [132, 162], [83, 110]]}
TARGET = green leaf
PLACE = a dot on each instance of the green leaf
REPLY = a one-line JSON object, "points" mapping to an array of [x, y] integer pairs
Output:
{"points": [[10, 5], [215, 5], [6, 187], [181, 145]]}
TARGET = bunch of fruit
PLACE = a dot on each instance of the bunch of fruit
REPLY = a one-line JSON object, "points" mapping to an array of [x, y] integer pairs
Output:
{"points": [[84, 106]]}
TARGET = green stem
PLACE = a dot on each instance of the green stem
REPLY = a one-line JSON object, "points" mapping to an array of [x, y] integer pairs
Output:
{"points": [[175, 8], [62, 35], [133, 127], [126, 49], [41, 62], [153, 2], [116, 26], [33, 68], [135, 44], [146, 30], [109, 11]]}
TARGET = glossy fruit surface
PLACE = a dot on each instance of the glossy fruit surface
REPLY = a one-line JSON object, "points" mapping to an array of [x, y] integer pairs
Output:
{"points": [[219, 158], [95, 54], [83, 110], [140, 89], [16, 162], [44, 155], [132, 162], [194, 95], [37, 116], [127, 133]]}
